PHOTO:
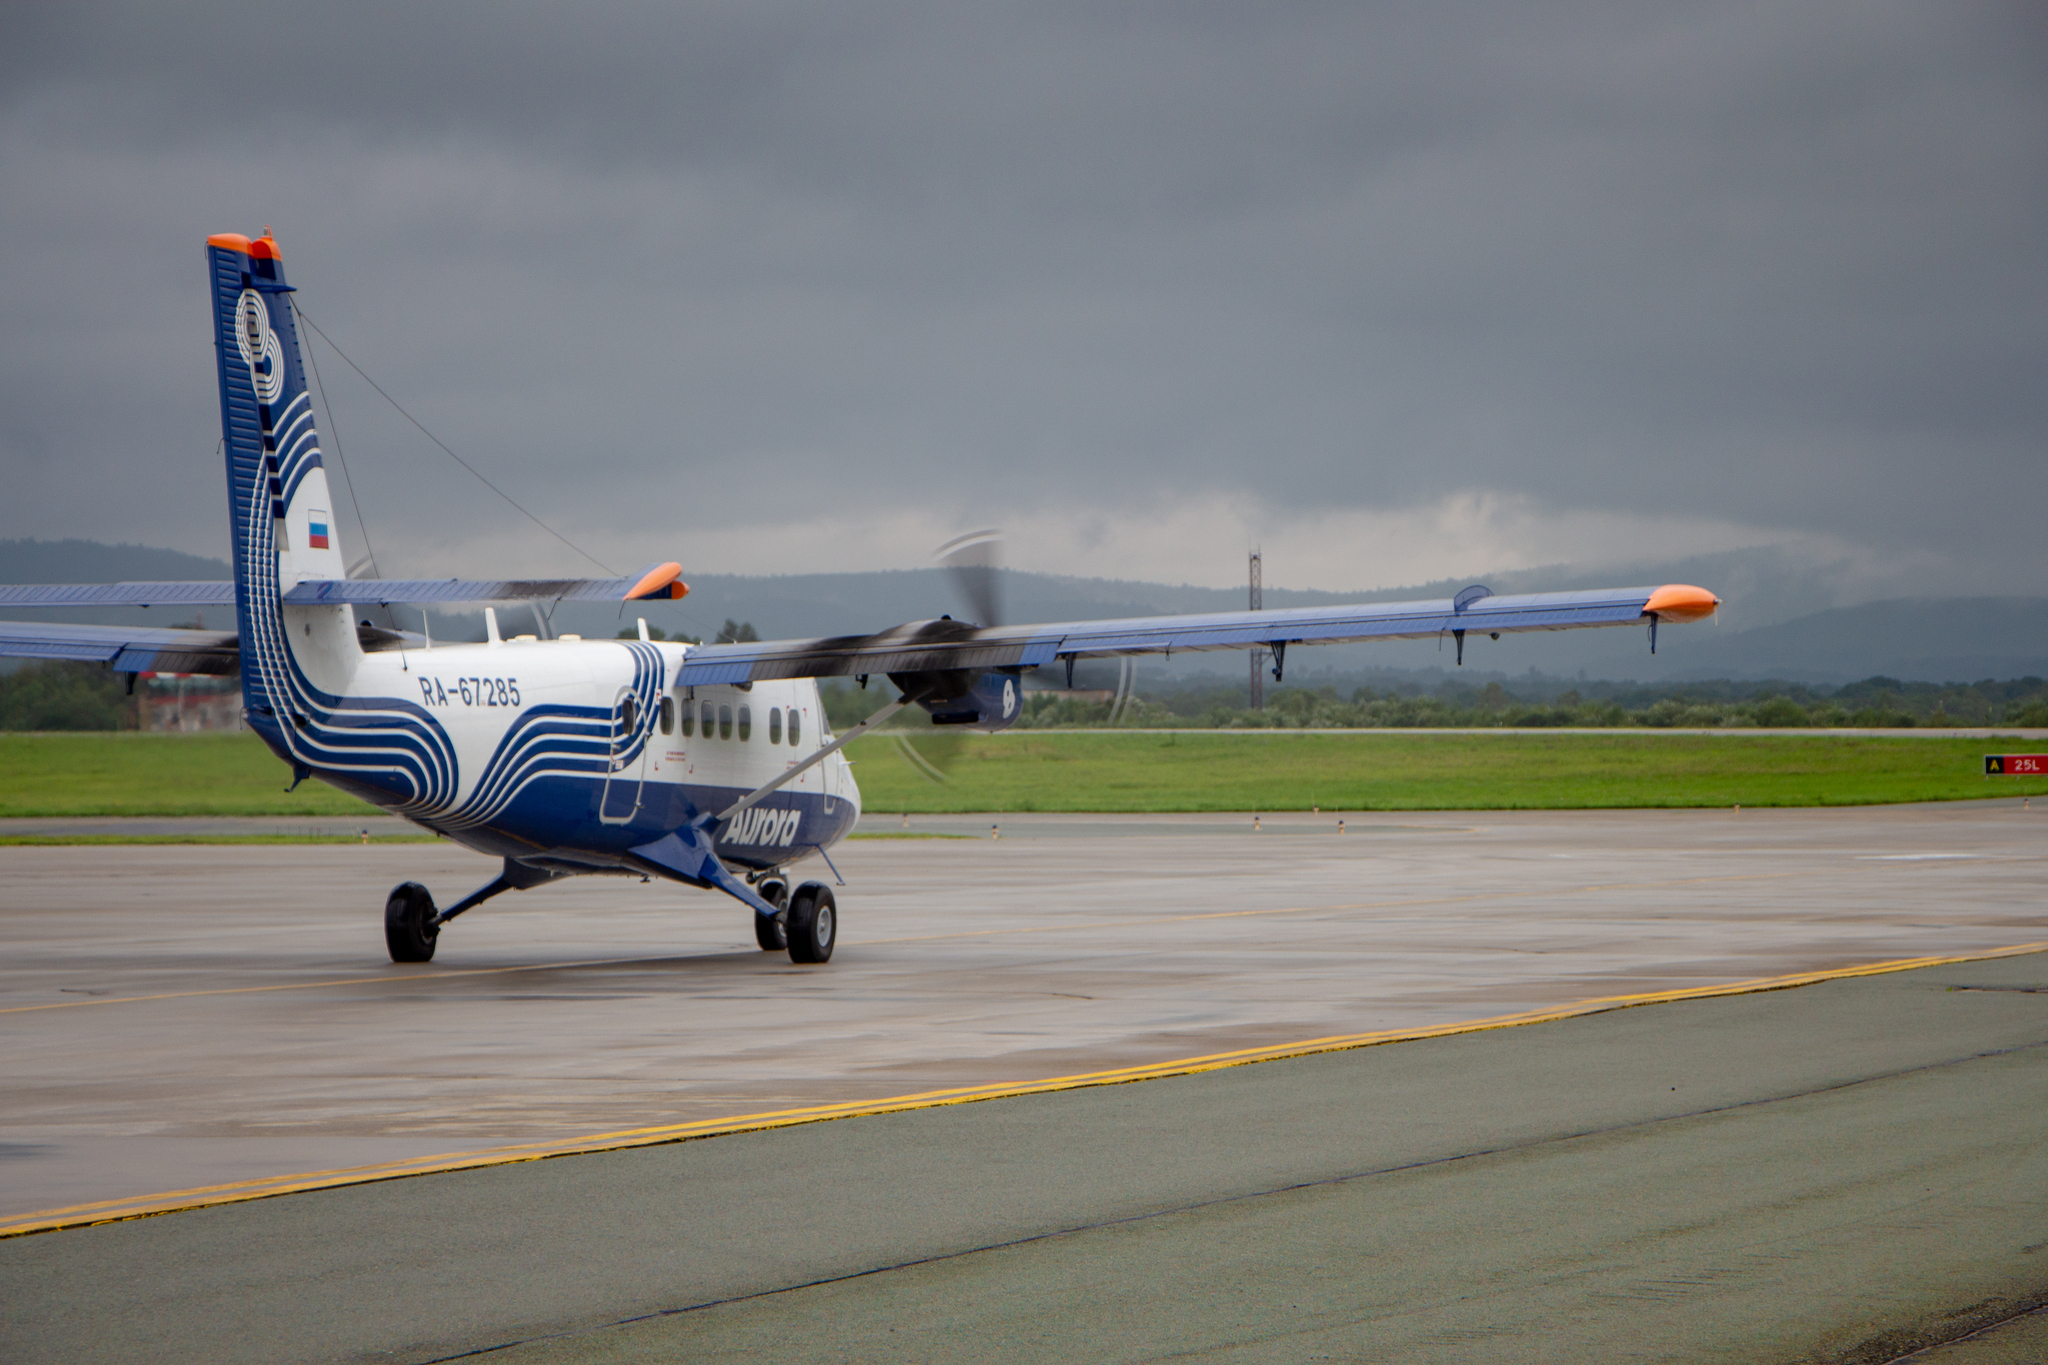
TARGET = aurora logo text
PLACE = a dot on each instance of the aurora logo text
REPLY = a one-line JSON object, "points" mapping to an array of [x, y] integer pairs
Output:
{"points": [[761, 826]]}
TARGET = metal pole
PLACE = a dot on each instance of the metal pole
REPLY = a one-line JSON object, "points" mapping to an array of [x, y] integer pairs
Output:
{"points": [[1258, 603]]}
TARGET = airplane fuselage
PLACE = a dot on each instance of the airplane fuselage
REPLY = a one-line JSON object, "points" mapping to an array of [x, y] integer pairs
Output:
{"points": [[569, 750]]}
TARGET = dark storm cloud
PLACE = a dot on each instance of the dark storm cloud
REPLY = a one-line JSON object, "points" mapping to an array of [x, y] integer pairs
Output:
{"points": [[1775, 266]]}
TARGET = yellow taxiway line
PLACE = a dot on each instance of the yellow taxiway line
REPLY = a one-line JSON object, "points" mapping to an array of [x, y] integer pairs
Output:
{"points": [[142, 1206]]}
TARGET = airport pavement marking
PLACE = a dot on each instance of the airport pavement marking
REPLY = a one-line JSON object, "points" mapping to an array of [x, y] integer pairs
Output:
{"points": [[176, 1201], [1082, 926]]}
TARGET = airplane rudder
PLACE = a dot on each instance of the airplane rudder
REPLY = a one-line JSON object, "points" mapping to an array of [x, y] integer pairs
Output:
{"points": [[279, 501]]}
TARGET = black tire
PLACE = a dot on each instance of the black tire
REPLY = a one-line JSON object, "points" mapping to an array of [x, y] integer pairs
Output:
{"points": [[409, 929], [812, 923], [768, 932]]}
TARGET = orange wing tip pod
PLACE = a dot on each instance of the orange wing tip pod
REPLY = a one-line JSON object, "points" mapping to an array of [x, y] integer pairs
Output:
{"points": [[663, 580], [1681, 602], [263, 248]]}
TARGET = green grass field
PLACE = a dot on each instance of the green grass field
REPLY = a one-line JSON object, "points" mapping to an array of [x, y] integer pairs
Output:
{"points": [[126, 773], [115, 774], [1384, 770]]}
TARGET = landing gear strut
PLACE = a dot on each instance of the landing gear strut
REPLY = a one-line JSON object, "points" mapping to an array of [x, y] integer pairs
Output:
{"points": [[412, 926], [768, 931]]}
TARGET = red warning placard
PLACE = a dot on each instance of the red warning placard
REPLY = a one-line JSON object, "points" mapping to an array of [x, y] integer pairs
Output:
{"points": [[2016, 765]]}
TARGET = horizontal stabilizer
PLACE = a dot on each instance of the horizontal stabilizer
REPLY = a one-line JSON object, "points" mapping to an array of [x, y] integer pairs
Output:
{"points": [[660, 583], [415, 591], [220, 594]]}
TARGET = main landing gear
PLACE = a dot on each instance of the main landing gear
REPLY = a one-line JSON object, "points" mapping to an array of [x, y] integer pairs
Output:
{"points": [[807, 926], [412, 925]]}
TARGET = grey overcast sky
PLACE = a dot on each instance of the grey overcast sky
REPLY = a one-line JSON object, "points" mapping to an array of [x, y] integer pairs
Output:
{"points": [[1400, 292]]}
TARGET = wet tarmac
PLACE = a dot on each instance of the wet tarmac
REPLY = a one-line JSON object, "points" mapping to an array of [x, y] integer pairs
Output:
{"points": [[1847, 1171], [181, 1016]]}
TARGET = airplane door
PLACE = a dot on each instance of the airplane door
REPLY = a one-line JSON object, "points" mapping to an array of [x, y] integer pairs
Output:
{"points": [[828, 771], [626, 769]]}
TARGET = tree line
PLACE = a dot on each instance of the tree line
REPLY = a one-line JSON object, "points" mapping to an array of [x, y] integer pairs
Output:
{"points": [[77, 696]]}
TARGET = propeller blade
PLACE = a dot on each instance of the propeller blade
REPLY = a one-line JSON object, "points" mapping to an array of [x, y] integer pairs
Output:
{"points": [[931, 755], [974, 561]]}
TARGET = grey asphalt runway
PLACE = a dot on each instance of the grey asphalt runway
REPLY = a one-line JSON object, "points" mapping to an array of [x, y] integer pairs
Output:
{"points": [[1843, 1172], [176, 1016]]}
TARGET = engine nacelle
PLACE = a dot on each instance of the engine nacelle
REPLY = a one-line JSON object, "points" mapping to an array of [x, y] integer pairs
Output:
{"points": [[979, 701]]}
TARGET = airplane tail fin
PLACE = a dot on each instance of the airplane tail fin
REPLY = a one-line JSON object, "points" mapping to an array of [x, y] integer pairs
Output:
{"points": [[279, 508]]}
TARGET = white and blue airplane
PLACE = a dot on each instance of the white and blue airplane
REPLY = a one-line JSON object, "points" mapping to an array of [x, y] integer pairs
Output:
{"points": [[710, 765]]}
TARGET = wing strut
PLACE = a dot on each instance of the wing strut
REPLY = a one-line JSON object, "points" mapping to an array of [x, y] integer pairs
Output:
{"points": [[762, 793]]}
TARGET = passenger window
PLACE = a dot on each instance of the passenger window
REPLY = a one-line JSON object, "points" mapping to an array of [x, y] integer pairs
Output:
{"points": [[746, 722], [725, 722], [689, 721], [775, 725], [795, 724], [668, 715], [707, 720], [629, 712]]}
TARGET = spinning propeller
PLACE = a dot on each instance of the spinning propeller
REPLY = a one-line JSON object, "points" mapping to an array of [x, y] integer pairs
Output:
{"points": [[974, 563]]}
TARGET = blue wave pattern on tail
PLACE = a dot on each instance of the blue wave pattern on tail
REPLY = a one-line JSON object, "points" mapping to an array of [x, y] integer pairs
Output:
{"points": [[271, 445], [391, 748]]}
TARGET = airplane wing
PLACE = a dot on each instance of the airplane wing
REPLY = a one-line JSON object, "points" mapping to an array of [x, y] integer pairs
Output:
{"points": [[126, 649], [657, 583], [934, 646]]}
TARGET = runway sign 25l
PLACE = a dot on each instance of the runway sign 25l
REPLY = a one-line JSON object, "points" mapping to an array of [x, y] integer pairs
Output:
{"points": [[2016, 765]]}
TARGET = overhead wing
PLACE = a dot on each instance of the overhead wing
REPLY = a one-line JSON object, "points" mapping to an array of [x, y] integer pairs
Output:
{"points": [[935, 646], [660, 582], [126, 649]]}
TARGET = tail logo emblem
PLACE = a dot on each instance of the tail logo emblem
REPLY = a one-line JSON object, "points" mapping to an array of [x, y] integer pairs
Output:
{"points": [[259, 346]]}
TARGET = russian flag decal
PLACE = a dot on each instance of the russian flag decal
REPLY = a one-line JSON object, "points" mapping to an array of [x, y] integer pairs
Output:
{"points": [[316, 529]]}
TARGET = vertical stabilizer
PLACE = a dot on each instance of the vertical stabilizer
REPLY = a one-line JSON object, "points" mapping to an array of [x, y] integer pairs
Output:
{"points": [[279, 508]]}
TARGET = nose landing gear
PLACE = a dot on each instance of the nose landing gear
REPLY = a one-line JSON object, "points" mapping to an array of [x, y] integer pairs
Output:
{"points": [[768, 932]]}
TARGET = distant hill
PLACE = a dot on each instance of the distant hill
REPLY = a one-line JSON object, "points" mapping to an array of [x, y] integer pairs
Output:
{"points": [[88, 561], [1771, 628], [1955, 639]]}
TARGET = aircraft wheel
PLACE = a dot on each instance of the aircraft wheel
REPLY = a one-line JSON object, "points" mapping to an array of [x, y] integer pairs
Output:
{"points": [[812, 923], [409, 928], [768, 932]]}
